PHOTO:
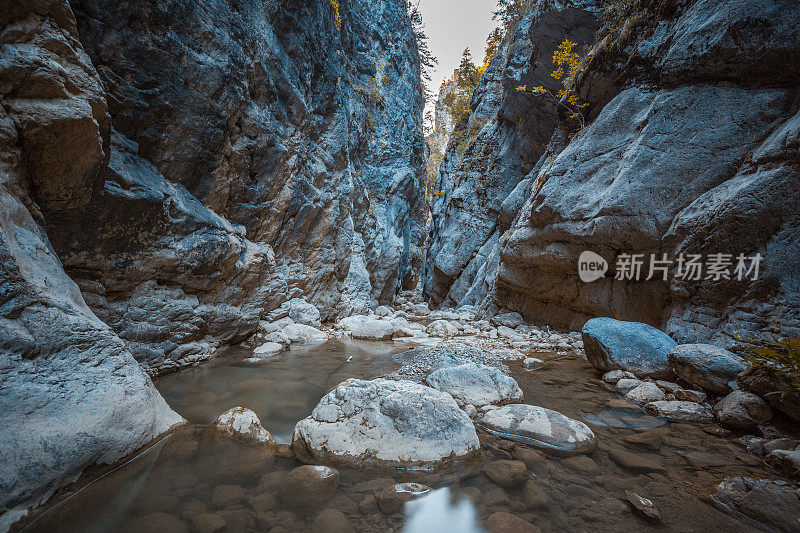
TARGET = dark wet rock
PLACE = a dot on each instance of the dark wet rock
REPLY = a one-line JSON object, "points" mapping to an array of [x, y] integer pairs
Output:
{"points": [[632, 346], [787, 462], [754, 444], [679, 411], [535, 496], [509, 474], [207, 523], [742, 411], [783, 443], [476, 385], [582, 465], [706, 366], [331, 521], [643, 506], [156, 523], [539, 427], [385, 424], [636, 462], [227, 495], [690, 395], [495, 496], [393, 498], [775, 388], [508, 523], [772, 504], [308, 488]]}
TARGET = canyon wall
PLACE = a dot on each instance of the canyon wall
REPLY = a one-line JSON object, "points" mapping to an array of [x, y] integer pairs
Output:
{"points": [[691, 147], [171, 172]]}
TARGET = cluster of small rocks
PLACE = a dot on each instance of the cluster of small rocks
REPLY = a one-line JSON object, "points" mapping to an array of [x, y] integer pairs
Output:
{"points": [[687, 383]]}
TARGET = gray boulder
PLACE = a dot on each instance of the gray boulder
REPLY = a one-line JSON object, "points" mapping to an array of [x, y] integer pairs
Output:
{"points": [[541, 428], [787, 462], [385, 424], [645, 393], [706, 366], [303, 312], [510, 320], [442, 328], [679, 411], [742, 411], [368, 328], [774, 505], [478, 385], [617, 345]]}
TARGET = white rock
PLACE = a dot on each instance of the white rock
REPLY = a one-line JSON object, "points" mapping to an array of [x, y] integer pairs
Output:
{"points": [[532, 363], [442, 328], [365, 327], [382, 423], [541, 428], [678, 411], [510, 320], [626, 385], [382, 310], [303, 333], [271, 327], [420, 309], [303, 312], [615, 375], [478, 385], [243, 423], [268, 349], [508, 333], [645, 393]]}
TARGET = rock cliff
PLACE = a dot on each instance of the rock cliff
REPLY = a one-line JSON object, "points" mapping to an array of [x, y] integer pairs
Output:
{"points": [[690, 148], [171, 172]]}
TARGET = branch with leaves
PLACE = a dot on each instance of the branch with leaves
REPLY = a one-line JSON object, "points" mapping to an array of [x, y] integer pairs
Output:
{"points": [[564, 57]]}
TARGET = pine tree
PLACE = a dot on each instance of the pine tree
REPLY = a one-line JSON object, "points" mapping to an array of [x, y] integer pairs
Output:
{"points": [[427, 60]]}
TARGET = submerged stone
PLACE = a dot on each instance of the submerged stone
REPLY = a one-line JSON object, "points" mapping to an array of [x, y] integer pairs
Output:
{"points": [[539, 427]]}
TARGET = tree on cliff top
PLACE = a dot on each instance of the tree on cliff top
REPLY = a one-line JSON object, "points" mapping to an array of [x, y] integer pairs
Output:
{"points": [[427, 60]]}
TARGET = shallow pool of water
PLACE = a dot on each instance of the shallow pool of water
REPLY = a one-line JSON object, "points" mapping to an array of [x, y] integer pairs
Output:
{"points": [[186, 478], [281, 390]]}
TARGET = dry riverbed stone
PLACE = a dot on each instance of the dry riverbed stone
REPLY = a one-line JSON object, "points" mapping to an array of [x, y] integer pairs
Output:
{"points": [[632, 346], [679, 411], [541, 428], [476, 385], [386, 424]]}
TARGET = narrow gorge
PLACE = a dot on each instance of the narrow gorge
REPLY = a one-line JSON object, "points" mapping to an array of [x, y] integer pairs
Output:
{"points": [[245, 287]]}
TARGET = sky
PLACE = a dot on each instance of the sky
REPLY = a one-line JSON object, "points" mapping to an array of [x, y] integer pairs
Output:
{"points": [[453, 25]]}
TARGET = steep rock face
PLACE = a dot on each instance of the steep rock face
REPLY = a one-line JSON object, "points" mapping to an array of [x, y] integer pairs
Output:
{"points": [[489, 157], [191, 165], [70, 392], [261, 151], [691, 149]]}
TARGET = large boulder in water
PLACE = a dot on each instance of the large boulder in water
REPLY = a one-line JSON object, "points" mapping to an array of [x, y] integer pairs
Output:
{"points": [[617, 345], [385, 424], [706, 366], [541, 428], [478, 385]]}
